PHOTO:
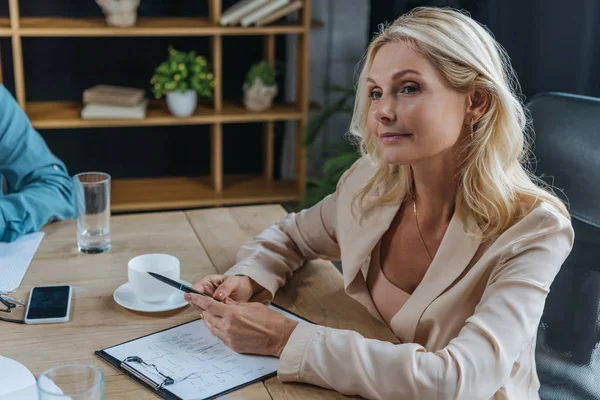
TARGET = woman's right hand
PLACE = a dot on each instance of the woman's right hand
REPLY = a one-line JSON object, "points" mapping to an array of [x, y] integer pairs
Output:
{"points": [[237, 287]]}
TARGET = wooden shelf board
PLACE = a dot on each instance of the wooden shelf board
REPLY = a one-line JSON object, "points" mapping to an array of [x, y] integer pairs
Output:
{"points": [[66, 115], [180, 192], [145, 26], [5, 29]]}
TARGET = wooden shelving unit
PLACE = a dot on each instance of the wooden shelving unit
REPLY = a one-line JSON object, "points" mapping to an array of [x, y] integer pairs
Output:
{"points": [[180, 192]]}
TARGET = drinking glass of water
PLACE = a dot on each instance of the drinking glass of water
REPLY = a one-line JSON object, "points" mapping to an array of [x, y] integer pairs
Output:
{"points": [[71, 382], [92, 205]]}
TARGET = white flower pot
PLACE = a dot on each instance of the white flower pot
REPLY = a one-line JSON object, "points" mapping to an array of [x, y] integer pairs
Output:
{"points": [[258, 96], [120, 13], [182, 104]]}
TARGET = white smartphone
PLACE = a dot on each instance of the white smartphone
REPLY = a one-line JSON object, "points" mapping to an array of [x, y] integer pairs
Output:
{"points": [[48, 304]]}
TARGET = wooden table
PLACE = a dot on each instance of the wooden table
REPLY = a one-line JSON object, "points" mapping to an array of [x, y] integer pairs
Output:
{"points": [[205, 241]]}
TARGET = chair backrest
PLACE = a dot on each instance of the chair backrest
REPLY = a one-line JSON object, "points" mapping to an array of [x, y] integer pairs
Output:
{"points": [[567, 150]]}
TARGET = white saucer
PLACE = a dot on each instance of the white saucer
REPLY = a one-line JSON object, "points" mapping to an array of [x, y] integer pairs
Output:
{"points": [[124, 297]]}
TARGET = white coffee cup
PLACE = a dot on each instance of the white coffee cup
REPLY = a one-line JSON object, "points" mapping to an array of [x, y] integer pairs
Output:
{"points": [[146, 287]]}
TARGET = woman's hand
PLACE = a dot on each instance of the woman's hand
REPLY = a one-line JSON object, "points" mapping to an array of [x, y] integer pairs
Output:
{"points": [[244, 327], [236, 287]]}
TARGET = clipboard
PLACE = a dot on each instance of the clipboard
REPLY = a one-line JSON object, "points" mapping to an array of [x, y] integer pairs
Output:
{"points": [[163, 389]]}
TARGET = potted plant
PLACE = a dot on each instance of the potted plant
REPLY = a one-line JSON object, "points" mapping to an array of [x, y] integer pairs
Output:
{"points": [[182, 78], [260, 87], [120, 13], [337, 158]]}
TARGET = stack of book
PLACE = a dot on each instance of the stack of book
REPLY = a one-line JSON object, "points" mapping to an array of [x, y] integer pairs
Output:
{"points": [[113, 102], [258, 12]]}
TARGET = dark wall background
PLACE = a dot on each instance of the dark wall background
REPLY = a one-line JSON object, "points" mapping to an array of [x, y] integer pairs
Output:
{"points": [[553, 44], [62, 68]]}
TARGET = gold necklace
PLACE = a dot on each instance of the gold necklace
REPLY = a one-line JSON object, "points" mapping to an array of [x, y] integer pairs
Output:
{"points": [[419, 229]]}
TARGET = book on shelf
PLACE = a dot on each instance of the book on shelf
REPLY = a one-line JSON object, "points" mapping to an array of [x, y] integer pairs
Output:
{"points": [[282, 12], [113, 95], [113, 102], [264, 11], [104, 111], [236, 12]]}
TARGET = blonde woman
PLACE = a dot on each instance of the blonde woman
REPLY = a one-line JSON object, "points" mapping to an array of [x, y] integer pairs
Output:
{"points": [[442, 233]]}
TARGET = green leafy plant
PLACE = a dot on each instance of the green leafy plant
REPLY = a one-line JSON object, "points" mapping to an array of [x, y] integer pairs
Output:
{"points": [[180, 72], [338, 158], [263, 71]]}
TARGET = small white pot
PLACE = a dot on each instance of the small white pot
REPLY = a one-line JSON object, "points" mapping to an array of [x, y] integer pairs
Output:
{"points": [[120, 13], [258, 96], [182, 104]]}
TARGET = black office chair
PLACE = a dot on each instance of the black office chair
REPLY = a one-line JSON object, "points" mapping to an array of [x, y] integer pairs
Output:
{"points": [[567, 149]]}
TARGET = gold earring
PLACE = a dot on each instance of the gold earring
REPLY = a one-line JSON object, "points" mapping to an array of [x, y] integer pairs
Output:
{"points": [[471, 125]]}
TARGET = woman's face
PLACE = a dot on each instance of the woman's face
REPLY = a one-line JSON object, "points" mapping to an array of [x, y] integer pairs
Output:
{"points": [[414, 113]]}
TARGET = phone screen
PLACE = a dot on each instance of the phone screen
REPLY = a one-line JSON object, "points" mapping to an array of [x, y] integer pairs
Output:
{"points": [[48, 302]]}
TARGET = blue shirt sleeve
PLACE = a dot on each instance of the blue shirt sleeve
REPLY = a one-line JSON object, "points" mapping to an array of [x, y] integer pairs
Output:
{"points": [[38, 186]]}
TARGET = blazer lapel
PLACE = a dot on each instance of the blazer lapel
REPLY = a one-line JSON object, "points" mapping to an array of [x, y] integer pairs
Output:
{"points": [[359, 239], [454, 255]]}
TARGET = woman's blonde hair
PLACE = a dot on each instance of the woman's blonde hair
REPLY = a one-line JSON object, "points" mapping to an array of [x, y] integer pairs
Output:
{"points": [[494, 185]]}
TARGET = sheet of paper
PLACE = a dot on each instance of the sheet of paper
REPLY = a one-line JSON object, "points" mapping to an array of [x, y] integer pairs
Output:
{"points": [[15, 258], [28, 393], [31, 392], [16, 381], [190, 351]]}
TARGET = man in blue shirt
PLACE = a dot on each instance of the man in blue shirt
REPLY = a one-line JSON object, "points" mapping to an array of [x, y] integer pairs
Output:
{"points": [[36, 186]]}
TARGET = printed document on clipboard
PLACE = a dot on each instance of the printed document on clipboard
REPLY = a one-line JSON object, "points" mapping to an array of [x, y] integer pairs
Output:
{"points": [[189, 362]]}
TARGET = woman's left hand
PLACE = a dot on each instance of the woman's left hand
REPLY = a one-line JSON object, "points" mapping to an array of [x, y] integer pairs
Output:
{"points": [[244, 327]]}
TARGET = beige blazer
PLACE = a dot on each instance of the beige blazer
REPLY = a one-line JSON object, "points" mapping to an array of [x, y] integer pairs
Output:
{"points": [[467, 332]]}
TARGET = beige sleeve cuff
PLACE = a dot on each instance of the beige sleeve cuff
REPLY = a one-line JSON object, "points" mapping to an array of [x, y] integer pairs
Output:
{"points": [[293, 354]]}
